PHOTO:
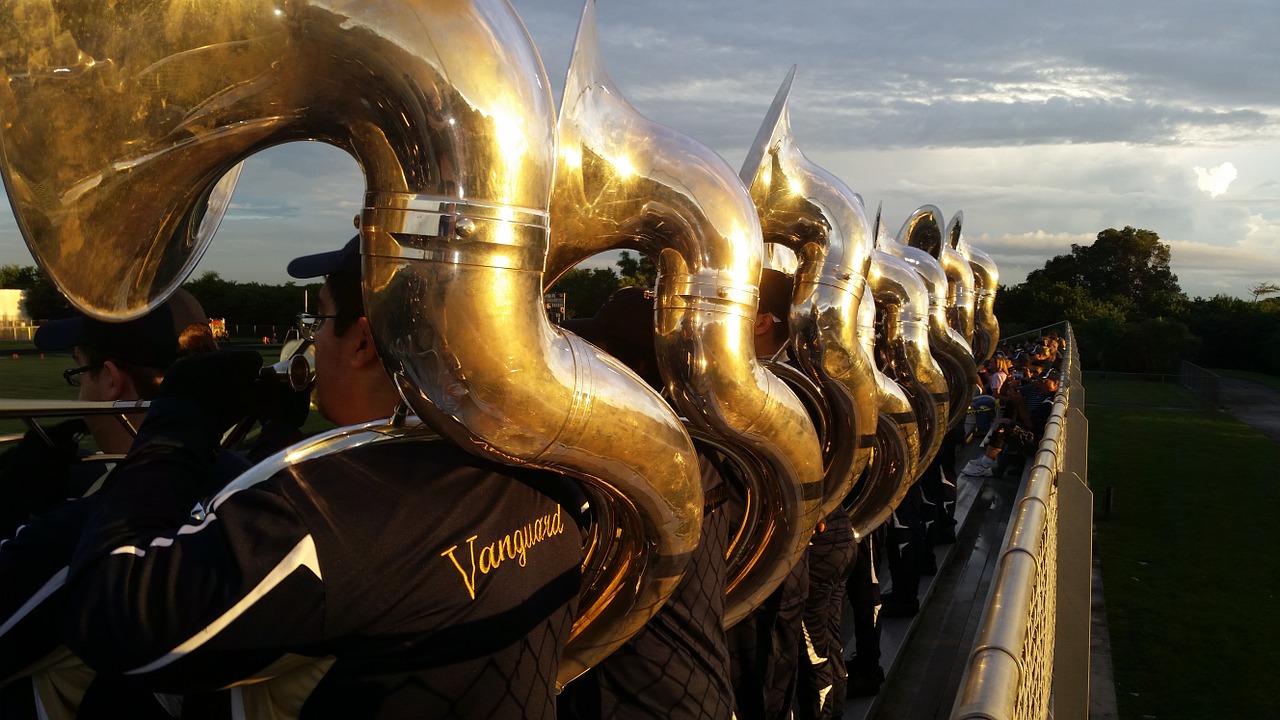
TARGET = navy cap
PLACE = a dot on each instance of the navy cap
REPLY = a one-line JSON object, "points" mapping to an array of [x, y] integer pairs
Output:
{"points": [[149, 341], [627, 316], [346, 259], [624, 326]]}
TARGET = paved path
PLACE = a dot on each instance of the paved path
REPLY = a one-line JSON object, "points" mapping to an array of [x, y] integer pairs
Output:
{"points": [[1252, 403]]}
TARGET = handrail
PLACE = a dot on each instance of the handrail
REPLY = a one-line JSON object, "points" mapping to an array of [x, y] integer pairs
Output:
{"points": [[1015, 665]]}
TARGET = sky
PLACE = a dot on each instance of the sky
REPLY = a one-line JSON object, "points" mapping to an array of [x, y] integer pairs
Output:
{"points": [[1045, 123]]}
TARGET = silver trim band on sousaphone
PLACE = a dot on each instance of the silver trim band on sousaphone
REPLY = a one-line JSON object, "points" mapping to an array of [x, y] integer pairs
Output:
{"points": [[624, 181], [113, 127]]}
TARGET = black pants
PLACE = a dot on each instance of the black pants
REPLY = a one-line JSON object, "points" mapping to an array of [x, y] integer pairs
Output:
{"points": [[822, 677]]}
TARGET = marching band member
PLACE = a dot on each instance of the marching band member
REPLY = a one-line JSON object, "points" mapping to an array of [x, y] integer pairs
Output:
{"points": [[391, 580]]}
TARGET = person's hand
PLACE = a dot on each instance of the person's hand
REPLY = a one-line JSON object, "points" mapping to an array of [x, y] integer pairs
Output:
{"points": [[221, 383], [279, 402], [35, 473]]}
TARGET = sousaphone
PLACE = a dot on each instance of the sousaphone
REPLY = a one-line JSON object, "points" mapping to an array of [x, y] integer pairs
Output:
{"points": [[117, 120], [624, 181]]}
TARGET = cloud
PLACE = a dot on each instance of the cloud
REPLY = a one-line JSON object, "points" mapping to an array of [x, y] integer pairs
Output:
{"points": [[1045, 123], [1215, 181], [1205, 270]]}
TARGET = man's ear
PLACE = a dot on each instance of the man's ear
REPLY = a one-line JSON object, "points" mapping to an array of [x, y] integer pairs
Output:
{"points": [[763, 324], [364, 351], [114, 380]]}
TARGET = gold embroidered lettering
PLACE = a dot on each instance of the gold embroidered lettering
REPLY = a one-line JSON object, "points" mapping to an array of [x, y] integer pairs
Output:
{"points": [[468, 580], [514, 545]]}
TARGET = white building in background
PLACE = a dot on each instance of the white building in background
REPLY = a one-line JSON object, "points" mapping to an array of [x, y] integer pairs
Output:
{"points": [[11, 307]]}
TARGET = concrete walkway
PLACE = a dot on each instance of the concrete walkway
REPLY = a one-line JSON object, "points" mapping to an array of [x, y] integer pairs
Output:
{"points": [[1252, 403]]}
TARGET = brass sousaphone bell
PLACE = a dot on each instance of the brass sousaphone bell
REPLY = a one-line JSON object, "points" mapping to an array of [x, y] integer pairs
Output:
{"points": [[118, 119], [902, 295], [624, 181], [918, 243], [811, 213], [986, 280], [871, 443]]}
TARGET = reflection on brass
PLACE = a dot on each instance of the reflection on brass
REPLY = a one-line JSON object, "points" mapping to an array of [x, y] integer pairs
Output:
{"points": [[904, 302], [960, 296], [896, 455], [986, 281], [808, 210], [118, 119], [918, 243], [623, 181]]}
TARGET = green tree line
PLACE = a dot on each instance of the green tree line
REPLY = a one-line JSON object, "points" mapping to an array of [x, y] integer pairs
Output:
{"points": [[1119, 293], [248, 304], [239, 303], [1130, 315]]}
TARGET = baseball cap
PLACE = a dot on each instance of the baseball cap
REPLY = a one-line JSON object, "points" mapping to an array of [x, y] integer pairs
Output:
{"points": [[627, 316], [624, 326], [346, 259], [149, 341]]}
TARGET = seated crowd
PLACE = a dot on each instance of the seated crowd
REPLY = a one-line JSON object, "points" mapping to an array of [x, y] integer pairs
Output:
{"points": [[1019, 384]]}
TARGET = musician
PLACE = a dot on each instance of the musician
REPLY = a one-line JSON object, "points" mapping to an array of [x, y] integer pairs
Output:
{"points": [[677, 665], [388, 580], [800, 622], [114, 362]]}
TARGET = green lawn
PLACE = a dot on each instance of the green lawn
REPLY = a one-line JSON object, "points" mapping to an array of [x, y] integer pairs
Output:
{"points": [[1270, 381], [1111, 391], [1189, 558]]}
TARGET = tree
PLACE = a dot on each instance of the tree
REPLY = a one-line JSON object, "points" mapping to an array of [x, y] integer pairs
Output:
{"points": [[41, 299], [1126, 268], [1155, 346], [586, 290], [1237, 334], [641, 271], [12, 277], [1263, 289]]}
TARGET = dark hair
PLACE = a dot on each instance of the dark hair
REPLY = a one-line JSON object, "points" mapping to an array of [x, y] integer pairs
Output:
{"points": [[196, 338], [347, 293], [145, 379], [775, 299]]}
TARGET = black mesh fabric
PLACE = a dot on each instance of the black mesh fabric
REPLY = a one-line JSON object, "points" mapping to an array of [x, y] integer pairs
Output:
{"points": [[677, 665]]}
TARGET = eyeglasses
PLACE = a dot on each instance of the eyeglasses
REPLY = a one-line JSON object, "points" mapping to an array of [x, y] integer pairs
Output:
{"points": [[72, 376], [309, 325]]}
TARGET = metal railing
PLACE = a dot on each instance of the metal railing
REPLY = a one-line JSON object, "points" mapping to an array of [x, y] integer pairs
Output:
{"points": [[1031, 655]]}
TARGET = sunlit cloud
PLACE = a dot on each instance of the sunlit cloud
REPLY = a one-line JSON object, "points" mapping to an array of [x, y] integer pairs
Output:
{"points": [[1215, 181]]}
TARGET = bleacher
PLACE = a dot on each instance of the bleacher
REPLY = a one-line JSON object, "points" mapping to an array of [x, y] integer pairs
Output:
{"points": [[1004, 626]]}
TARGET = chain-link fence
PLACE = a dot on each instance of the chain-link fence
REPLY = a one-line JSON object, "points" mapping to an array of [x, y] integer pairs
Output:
{"points": [[1202, 382], [1031, 657]]}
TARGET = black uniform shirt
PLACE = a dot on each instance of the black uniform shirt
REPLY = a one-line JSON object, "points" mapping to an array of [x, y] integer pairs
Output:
{"points": [[397, 579]]}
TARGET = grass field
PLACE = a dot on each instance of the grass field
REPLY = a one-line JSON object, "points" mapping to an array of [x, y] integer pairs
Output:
{"points": [[1190, 567], [1270, 381], [1111, 391]]}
